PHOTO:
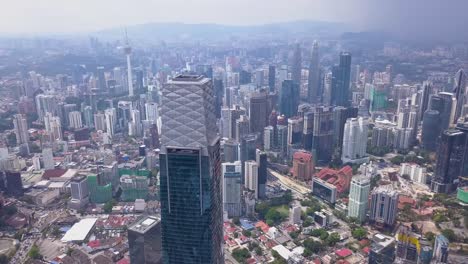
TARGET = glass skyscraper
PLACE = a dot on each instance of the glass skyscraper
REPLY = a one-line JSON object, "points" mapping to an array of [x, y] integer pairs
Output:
{"points": [[190, 183]]}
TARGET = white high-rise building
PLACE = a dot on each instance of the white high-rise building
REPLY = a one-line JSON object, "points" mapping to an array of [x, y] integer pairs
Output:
{"points": [[111, 119], [152, 114], [232, 188], [355, 140], [48, 159], [20, 124], [100, 122], [359, 197], [46, 103], [134, 128], [53, 126], [295, 215], [74, 118], [414, 171], [268, 138], [251, 176]]}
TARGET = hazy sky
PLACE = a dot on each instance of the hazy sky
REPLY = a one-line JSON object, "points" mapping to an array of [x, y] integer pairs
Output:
{"points": [[431, 17]]}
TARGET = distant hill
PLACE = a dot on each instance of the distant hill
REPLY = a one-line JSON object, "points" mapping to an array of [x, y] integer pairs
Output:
{"points": [[180, 31]]}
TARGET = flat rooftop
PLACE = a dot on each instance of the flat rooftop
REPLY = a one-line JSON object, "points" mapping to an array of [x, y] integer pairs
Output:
{"points": [[144, 224], [80, 230]]}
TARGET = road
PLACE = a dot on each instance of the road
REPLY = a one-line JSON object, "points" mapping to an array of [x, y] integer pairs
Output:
{"points": [[290, 184]]}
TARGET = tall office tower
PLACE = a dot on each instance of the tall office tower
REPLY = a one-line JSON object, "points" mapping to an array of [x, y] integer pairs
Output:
{"points": [[358, 198], [245, 77], [118, 77], [303, 166], [295, 128], [450, 157], [296, 67], [46, 103], [269, 138], [144, 240], [340, 81], [382, 249], [75, 121], [313, 89], [282, 139], [232, 188], [441, 249], [231, 150], [327, 88], [248, 147], [426, 94], [11, 183], [242, 127], [384, 205], [225, 123], [139, 80], [262, 162], [79, 192], [259, 76], [322, 140], [289, 98], [460, 92], [53, 126], [251, 176], [88, 116], [307, 132], [48, 159], [152, 114], [355, 140], [445, 103], [111, 120], [218, 96], [101, 78], [191, 194], [128, 53], [272, 78], [258, 112], [100, 121], [135, 128], [340, 115], [20, 124], [431, 130]]}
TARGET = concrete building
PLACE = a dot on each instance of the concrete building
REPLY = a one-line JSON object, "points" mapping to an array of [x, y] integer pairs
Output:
{"points": [[382, 249], [48, 159], [441, 249], [251, 176], [355, 141], [75, 121], [303, 166], [358, 198], [384, 205], [415, 172], [79, 192], [295, 215], [144, 240], [232, 188]]}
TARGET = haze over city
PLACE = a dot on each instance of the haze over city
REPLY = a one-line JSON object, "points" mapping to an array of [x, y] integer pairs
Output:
{"points": [[237, 132]]}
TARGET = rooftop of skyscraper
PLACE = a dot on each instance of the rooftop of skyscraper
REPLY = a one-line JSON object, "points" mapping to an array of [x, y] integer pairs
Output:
{"points": [[144, 224]]}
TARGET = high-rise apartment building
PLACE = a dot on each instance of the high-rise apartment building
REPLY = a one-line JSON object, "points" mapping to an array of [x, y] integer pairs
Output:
{"points": [[20, 124], [190, 181], [355, 140], [74, 119], [232, 188], [384, 205], [358, 198], [251, 176]]}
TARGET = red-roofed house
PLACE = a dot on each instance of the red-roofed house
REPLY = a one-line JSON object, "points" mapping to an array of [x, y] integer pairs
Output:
{"points": [[344, 253], [303, 166], [404, 200], [262, 226], [341, 179]]}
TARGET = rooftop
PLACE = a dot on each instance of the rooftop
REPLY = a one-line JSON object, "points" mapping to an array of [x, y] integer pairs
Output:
{"points": [[144, 224]]}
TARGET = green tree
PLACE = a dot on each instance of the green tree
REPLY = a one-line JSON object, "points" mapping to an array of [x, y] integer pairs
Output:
{"points": [[359, 233], [397, 160], [10, 210], [274, 216], [108, 206], [241, 254], [294, 234], [34, 252], [307, 222], [449, 234], [312, 245], [429, 236], [259, 251], [333, 238], [324, 235], [247, 233]]}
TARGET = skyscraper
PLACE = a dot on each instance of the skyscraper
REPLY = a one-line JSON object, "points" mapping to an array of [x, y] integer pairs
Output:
{"points": [[382, 249], [20, 124], [258, 114], [102, 85], [384, 205], [296, 67], [340, 81], [430, 129], [262, 162], [340, 115], [289, 98], [322, 140], [358, 198], [426, 94], [271, 78], [450, 157], [313, 90], [111, 120], [79, 192], [251, 176], [191, 196], [355, 140], [144, 240], [75, 121], [460, 92], [232, 188], [445, 103]]}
